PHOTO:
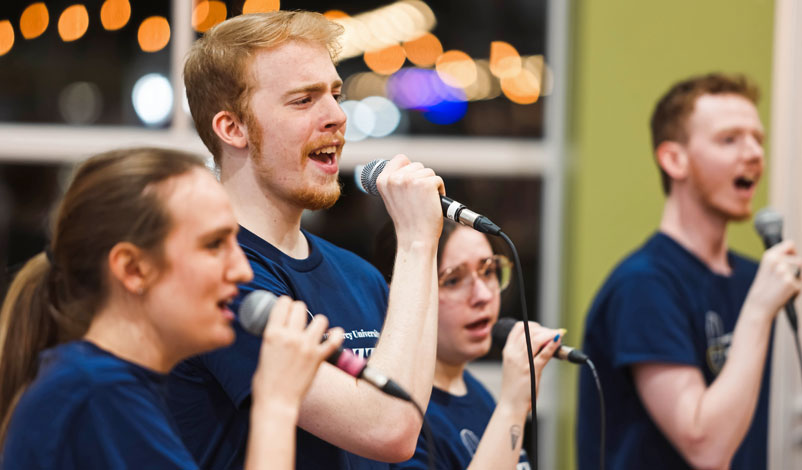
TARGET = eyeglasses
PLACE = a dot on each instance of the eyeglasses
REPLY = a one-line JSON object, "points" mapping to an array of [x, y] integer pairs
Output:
{"points": [[495, 272]]}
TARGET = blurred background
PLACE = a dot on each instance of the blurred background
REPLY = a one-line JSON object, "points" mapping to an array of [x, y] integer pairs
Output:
{"points": [[535, 112]]}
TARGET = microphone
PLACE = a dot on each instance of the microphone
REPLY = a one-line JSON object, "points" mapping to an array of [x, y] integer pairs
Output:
{"points": [[503, 327], [366, 176], [253, 314], [769, 225]]}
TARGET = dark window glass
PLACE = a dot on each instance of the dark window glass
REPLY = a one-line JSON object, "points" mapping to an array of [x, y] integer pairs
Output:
{"points": [[85, 81]]}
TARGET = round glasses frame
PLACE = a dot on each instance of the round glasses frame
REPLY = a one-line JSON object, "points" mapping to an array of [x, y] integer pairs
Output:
{"points": [[495, 272]]}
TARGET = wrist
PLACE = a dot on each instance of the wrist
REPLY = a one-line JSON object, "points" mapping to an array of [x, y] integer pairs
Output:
{"points": [[414, 244], [274, 407]]}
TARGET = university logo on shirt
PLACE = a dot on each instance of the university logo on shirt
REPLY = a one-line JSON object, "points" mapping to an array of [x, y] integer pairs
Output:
{"points": [[718, 342]]}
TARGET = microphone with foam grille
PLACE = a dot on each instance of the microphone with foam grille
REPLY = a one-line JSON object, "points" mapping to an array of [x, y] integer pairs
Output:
{"points": [[366, 176], [501, 330], [253, 314], [769, 225]]}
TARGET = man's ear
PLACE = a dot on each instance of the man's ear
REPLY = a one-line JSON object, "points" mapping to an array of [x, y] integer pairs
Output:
{"points": [[131, 267], [230, 129], [673, 159]]}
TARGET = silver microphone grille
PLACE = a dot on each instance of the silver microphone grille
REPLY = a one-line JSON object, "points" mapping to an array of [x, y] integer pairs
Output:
{"points": [[769, 223], [255, 309], [370, 172]]}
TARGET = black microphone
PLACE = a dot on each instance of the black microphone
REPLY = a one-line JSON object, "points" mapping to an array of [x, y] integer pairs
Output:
{"points": [[253, 313], [366, 181], [769, 225], [503, 327]]}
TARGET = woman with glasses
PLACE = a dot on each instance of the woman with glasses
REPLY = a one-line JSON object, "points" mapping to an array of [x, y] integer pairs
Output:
{"points": [[470, 430]]}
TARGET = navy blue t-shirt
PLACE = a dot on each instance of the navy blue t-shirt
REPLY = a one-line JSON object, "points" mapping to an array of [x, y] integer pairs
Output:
{"points": [[88, 409], [660, 305], [209, 395], [457, 424]]}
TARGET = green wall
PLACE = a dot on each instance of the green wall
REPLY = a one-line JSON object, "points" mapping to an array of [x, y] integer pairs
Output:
{"points": [[625, 54]]}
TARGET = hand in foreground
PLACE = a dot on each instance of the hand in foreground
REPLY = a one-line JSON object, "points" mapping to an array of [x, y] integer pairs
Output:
{"points": [[515, 386], [777, 279], [291, 352]]}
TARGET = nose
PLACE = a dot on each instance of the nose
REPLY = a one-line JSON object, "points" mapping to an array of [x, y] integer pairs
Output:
{"points": [[333, 115], [239, 270], [481, 292], [754, 148]]}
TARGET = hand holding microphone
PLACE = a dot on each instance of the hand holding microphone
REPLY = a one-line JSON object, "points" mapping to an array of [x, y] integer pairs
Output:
{"points": [[292, 351], [256, 314], [371, 179], [777, 280]]}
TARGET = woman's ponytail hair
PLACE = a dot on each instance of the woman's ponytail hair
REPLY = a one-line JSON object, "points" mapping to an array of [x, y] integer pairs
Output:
{"points": [[113, 198]]}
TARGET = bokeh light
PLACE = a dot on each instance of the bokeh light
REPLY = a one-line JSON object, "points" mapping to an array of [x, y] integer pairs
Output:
{"points": [[34, 20], [73, 22], [424, 50], [384, 114], [385, 61], [335, 14], [364, 84], [154, 34], [424, 90], [352, 132], [486, 86], [524, 88], [446, 112], [6, 37], [505, 62], [207, 14], [386, 26], [260, 6], [456, 68], [80, 103], [114, 14], [153, 99]]}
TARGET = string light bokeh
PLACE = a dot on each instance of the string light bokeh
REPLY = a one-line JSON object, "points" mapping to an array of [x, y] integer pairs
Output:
{"points": [[408, 66]]}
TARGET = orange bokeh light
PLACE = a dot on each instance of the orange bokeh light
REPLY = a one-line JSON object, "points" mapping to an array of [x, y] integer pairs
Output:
{"points": [[424, 50], [524, 88], [114, 14], [505, 62], [73, 22], [335, 14], [456, 68], [207, 14], [6, 36], [260, 6], [34, 20], [386, 61], [154, 33]]}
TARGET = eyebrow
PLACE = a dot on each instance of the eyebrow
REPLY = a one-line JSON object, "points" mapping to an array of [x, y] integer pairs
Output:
{"points": [[319, 87], [220, 232]]}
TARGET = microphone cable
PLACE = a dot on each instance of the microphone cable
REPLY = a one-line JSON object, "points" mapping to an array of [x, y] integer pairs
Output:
{"points": [[532, 379], [602, 419]]}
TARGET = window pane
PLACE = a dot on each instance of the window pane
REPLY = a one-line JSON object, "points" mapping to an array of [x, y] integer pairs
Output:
{"points": [[82, 62]]}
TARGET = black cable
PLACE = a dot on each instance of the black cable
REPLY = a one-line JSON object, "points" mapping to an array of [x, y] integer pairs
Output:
{"points": [[427, 435], [525, 316], [798, 349], [392, 388], [603, 426]]}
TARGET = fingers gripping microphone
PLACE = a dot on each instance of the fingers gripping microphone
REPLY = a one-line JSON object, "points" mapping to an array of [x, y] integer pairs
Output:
{"points": [[253, 314], [503, 327], [769, 225], [366, 181]]}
